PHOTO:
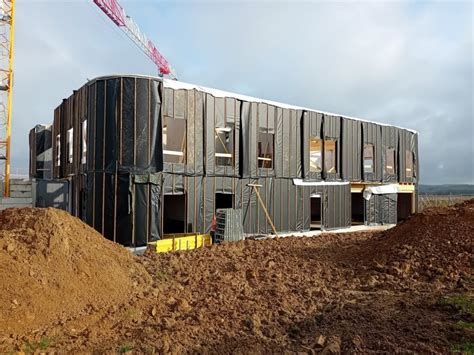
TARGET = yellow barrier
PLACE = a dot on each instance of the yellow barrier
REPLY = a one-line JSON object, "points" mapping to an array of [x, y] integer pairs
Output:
{"points": [[174, 242]]}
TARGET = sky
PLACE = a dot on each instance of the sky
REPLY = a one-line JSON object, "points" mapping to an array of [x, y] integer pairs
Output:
{"points": [[405, 63]]}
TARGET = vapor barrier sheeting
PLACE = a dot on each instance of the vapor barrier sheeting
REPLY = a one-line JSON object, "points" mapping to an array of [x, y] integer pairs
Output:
{"points": [[408, 150], [121, 118], [351, 136], [50, 193], [137, 150], [222, 131], [312, 128], [41, 152], [381, 209], [124, 208], [389, 159], [372, 135], [187, 107], [369, 191], [336, 205]]}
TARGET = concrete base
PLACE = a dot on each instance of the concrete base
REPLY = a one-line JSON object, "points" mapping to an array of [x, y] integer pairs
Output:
{"points": [[20, 195], [315, 233]]}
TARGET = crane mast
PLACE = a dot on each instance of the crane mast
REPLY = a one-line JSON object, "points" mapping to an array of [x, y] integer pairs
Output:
{"points": [[7, 25], [113, 10], [116, 13]]}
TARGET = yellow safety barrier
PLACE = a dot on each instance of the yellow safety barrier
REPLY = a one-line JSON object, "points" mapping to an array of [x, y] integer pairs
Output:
{"points": [[175, 242]]}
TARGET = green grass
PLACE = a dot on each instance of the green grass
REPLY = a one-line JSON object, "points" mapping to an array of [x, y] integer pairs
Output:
{"points": [[125, 348], [466, 347], [463, 306], [465, 325], [43, 344], [462, 303]]}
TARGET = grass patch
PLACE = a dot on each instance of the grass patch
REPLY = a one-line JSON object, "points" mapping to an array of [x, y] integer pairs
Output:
{"points": [[125, 348], [43, 344], [462, 303], [463, 307], [466, 347], [465, 325]]}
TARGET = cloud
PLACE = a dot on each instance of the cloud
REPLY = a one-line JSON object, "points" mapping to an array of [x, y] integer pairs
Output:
{"points": [[404, 63]]}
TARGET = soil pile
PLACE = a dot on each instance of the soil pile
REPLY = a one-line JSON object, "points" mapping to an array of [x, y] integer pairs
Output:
{"points": [[348, 292], [433, 246], [53, 268]]}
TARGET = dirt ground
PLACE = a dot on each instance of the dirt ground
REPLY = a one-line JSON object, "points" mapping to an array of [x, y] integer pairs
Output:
{"points": [[407, 289]]}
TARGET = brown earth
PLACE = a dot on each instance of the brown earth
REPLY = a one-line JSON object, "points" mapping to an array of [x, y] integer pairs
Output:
{"points": [[55, 268], [353, 292]]}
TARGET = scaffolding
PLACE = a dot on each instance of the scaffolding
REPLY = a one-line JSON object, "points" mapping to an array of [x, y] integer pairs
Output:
{"points": [[7, 22]]}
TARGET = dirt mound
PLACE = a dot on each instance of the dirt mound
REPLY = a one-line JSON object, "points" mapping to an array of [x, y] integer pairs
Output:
{"points": [[349, 292], [435, 246], [53, 268]]}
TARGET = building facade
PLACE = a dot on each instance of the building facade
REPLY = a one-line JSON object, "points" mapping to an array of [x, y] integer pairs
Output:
{"points": [[143, 157]]}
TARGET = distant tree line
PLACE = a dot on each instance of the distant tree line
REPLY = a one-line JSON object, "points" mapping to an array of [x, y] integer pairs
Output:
{"points": [[448, 189]]}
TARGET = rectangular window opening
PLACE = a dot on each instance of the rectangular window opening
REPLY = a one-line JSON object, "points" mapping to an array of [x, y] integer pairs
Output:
{"points": [[224, 145], [266, 141], [358, 208], [390, 161], [174, 214], [404, 206], [174, 140], [315, 155], [84, 142], [58, 150], [69, 144], [368, 158], [409, 164], [265, 150], [330, 156], [315, 212], [224, 201]]}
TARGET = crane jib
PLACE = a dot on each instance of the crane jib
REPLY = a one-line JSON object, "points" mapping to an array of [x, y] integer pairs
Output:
{"points": [[117, 14]]}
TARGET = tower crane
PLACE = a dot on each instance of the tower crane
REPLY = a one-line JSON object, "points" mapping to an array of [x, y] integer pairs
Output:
{"points": [[7, 24], [113, 10], [116, 13]]}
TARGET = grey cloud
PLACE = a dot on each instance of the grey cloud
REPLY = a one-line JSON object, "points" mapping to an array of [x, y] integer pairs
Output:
{"points": [[409, 64]]}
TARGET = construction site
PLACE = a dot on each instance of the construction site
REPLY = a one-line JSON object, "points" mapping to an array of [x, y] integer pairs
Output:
{"points": [[160, 216]]}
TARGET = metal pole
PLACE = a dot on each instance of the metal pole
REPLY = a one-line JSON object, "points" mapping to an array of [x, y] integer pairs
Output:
{"points": [[9, 85]]}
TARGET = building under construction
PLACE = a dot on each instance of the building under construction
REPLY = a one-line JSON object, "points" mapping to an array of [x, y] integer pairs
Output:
{"points": [[141, 157]]}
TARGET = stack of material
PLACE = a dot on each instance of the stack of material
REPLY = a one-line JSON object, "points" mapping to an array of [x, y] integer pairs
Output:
{"points": [[229, 225]]}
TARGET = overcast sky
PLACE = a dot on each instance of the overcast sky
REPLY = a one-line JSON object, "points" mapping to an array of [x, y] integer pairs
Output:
{"points": [[405, 63]]}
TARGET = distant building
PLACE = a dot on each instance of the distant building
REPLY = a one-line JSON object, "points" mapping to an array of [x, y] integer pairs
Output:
{"points": [[140, 157]]}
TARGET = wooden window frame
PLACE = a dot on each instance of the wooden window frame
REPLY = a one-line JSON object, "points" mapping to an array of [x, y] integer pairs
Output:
{"points": [[330, 145], [318, 143], [372, 157]]}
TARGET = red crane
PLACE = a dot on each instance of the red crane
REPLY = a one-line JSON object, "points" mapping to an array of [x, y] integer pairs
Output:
{"points": [[116, 13]]}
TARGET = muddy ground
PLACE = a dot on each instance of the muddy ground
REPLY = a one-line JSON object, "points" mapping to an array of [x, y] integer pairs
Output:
{"points": [[408, 289]]}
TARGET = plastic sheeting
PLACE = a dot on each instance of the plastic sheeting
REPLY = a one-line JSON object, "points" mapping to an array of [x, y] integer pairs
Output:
{"points": [[407, 146], [389, 142], [176, 85], [381, 209], [41, 152], [352, 164], [132, 159], [379, 190], [50, 193]]}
